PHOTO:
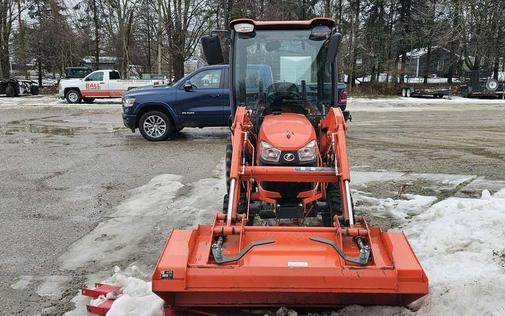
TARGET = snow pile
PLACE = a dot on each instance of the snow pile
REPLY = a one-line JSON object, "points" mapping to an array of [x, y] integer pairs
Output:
{"points": [[401, 209], [120, 235], [136, 298], [459, 242]]}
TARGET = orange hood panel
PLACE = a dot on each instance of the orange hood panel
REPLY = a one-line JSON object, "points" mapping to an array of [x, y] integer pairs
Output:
{"points": [[286, 131]]}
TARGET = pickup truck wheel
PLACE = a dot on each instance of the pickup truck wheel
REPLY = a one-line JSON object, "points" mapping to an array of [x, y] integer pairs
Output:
{"points": [[10, 91], [73, 96], [34, 90], [88, 100], [155, 126]]}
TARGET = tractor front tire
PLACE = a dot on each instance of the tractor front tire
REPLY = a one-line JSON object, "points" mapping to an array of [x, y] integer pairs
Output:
{"points": [[227, 164], [334, 203]]}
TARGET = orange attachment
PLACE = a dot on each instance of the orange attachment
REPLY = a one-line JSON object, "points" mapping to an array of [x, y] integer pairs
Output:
{"points": [[293, 270]]}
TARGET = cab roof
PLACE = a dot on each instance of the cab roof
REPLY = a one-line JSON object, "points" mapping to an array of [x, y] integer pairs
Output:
{"points": [[283, 25]]}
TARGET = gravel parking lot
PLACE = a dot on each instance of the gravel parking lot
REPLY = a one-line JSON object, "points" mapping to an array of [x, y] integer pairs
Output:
{"points": [[70, 171]]}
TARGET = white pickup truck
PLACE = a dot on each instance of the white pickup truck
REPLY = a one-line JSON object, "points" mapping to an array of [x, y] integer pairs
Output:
{"points": [[99, 84]]}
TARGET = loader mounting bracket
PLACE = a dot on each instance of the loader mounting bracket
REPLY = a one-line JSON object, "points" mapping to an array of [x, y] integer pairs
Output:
{"points": [[364, 252], [217, 251]]}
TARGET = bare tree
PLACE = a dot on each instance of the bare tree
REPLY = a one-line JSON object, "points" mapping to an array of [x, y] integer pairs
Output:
{"points": [[185, 22]]}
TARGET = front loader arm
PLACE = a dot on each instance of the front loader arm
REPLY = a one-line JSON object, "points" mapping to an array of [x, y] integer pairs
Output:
{"points": [[333, 138], [240, 127]]}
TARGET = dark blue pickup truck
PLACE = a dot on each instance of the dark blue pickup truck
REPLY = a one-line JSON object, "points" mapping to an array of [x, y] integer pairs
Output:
{"points": [[200, 99]]}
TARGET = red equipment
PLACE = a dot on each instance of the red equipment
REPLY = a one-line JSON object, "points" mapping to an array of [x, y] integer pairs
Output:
{"points": [[288, 164]]}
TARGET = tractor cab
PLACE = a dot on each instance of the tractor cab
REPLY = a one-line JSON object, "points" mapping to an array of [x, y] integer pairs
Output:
{"points": [[286, 103], [299, 60], [285, 110]]}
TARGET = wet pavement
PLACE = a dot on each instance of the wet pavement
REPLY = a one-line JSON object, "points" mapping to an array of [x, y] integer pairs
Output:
{"points": [[67, 168]]}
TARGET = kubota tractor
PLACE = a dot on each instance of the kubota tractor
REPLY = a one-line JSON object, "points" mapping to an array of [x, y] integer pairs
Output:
{"points": [[288, 235]]}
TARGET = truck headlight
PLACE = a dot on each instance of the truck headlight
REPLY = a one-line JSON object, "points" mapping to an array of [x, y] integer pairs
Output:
{"points": [[128, 103], [269, 152], [307, 152]]}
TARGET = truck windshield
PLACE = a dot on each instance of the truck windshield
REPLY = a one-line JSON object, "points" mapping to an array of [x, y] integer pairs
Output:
{"points": [[281, 70]]}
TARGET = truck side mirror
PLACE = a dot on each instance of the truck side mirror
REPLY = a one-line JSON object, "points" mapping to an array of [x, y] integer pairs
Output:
{"points": [[212, 49], [335, 39], [188, 86]]}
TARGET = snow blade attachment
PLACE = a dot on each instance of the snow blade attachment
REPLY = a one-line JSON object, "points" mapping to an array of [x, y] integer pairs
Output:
{"points": [[298, 269]]}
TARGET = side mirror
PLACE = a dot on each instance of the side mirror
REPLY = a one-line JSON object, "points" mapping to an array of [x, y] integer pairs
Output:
{"points": [[212, 49], [335, 39], [188, 86]]}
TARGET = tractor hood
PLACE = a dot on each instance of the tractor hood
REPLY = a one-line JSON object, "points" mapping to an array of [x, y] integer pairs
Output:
{"points": [[287, 131]]}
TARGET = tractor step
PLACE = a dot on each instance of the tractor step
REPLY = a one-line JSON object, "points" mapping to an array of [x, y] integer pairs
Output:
{"points": [[100, 290]]}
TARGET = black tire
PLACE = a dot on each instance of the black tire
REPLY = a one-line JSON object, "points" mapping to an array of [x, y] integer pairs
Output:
{"points": [[34, 90], [88, 100], [334, 203], [404, 93], [73, 96], [10, 91], [178, 129], [408, 92], [225, 203], [156, 126], [228, 154]]}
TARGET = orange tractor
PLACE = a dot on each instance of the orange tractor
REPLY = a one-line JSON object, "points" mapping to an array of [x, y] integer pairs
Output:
{"points": [[288, 235]]}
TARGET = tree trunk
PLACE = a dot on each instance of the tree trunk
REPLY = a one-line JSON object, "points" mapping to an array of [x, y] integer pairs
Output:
{"points": [[178, 65], [353, 40], [160, 36], [427, 65], [97, 38]]}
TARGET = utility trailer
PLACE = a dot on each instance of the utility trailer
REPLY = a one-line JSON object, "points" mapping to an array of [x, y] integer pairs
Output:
{"points": [[436, 92], [14, 87], [484, 88]]}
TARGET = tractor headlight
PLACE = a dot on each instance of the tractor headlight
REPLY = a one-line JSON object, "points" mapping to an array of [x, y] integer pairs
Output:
{"points": [[308, 152], [269, 152]]}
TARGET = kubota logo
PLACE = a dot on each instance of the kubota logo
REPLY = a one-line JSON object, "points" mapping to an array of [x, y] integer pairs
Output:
{"points": [[289, 157]]}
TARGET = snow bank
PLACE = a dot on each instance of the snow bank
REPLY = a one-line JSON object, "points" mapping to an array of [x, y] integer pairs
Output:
{"points": [[459, 242]]}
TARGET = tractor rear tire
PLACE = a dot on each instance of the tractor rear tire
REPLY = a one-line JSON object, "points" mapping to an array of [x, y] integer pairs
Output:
{"points": [[334, 203]]}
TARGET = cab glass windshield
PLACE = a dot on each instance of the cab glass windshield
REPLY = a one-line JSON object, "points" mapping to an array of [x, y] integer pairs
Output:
{"points": [[281, 70]]}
